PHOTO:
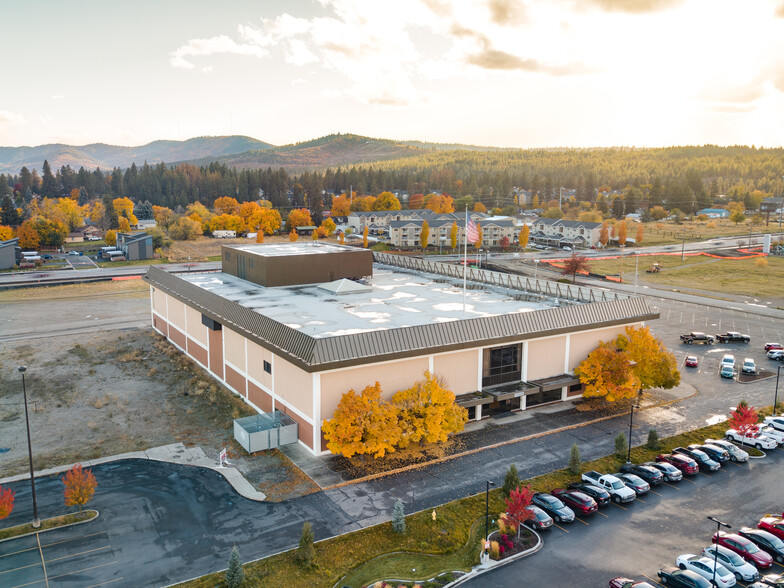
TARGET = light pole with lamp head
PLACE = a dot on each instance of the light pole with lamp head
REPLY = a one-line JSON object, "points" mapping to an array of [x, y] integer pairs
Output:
{"points": [[631, 424], [776, 395], [36, 520], [487, 512], [719, 525]]}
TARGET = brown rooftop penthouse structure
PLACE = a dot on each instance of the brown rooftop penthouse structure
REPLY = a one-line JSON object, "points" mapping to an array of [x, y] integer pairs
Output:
{"points": [[303, 323]]}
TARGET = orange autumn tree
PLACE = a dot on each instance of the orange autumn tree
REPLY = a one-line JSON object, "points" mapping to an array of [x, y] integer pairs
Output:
{"points": [[428, 412], [299, 217], [341, 205], [604, 234], [622, 233], [640, 234], [6, 502], [226, 205], [365, 237], [80, 486], [363, 423], [608, 373], [525, 234], [6, 233], [654, 365]]}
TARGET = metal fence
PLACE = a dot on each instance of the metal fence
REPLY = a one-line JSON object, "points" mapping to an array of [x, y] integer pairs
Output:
{"points": [[525, 283]]}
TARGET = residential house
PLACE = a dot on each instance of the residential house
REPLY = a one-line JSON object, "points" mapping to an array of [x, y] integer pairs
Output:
{"points": [[562, 233]]}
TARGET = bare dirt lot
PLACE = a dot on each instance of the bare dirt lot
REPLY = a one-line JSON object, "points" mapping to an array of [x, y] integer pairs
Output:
{"points": [[102, 391]]}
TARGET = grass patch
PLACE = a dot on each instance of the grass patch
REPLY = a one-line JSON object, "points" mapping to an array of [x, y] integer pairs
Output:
{"points": [[448, 543], [733, 276], [46, 524], [130, 263]]}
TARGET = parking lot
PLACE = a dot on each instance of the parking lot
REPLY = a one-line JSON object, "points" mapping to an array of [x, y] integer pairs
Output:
{"points": [[62, 558], [636, 540]]}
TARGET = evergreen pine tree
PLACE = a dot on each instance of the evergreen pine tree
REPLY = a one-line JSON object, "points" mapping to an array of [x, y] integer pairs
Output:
{"points": [[306, 553], [235, 575], [8, 213], [653, 440], [399, 518], [620, 445], [49, 185], [575, 463], [511, 480]]}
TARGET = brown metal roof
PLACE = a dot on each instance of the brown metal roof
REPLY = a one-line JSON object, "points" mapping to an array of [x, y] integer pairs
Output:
{"points": [[319, 354]]}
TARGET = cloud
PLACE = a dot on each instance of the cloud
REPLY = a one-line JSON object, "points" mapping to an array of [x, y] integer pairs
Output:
{"points": [[206, 69], [635, 6], [732, 108], [507, 12], [780, 10], [57, 96], [11, 118], [213, 46]]}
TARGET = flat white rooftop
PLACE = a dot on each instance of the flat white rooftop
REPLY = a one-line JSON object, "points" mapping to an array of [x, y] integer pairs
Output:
{"points": [[397, 299], [295, 248]]}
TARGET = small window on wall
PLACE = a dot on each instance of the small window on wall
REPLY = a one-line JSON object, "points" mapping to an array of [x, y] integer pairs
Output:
{"points": [[268, 367]]}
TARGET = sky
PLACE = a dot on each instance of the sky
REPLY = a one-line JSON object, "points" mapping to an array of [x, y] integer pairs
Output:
{"points": [[506, 73]]}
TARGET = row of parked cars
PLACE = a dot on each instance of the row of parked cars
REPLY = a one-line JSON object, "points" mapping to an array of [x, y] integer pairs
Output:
{"points": [[742, 556]]}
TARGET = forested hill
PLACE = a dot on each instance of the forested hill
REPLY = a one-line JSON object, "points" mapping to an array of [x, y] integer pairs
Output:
{"points": [[12, 159], [330, 151]]}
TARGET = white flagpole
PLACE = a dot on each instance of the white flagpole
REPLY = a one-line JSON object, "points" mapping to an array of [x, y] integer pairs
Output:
{"points": [[465, 256]]}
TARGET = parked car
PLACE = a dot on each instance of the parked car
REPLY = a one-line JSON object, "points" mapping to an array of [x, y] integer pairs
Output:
{"points": [[650, 474], [600, 495], [751, 438], [777, 354], [683, 462], [728, 359], [768, 580], [715, 453], [736, 453], [699, 564], [733, 337], [634, 482], [46, 256], [742, 569], [541, 519], [776, 422], [93, 238], [697, 337], [578, 501], [749, 367], [628, 583], [727, 371], [744, 548], [766, 541], [553, 506], [769, 346], [669, 471], [691, 361], [703, 461], [682, 578], [617, 489]]}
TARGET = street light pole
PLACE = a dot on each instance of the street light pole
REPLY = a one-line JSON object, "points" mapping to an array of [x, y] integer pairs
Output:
{"points": [[776, 395], [487, 512], [36, 520], [631, 424], [719, 525]]}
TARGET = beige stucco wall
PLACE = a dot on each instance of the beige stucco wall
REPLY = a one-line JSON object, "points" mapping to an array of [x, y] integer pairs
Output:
{"points": [[176, 313], [393, 376], [159, 302], [196, 330], [546, 357], [581, 344], [460, 370], [293, 385], [234, 348], [256, 357]]}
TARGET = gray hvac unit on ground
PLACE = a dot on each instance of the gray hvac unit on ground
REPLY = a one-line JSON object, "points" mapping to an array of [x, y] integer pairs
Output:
{"points": [[265, 431]]}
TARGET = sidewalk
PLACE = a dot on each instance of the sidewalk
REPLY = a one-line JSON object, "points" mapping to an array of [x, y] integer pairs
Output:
{"points": [[333, 470], [174, 453]]}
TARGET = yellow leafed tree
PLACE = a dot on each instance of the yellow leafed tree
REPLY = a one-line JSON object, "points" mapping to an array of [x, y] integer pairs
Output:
{"points": [[363, 424], [424, 235], [427, 412], [607, 372], [654, 365], [365, 237], [453, 235], [640, 234], [525, 233]]}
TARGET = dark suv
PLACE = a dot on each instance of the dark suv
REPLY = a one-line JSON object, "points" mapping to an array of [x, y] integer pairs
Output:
{"points": [[651, 475], [702, 459]]}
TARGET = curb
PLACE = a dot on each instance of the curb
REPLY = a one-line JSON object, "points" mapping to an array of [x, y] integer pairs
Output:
{"points": [[416, 466], [482, 568], [97, 514]]}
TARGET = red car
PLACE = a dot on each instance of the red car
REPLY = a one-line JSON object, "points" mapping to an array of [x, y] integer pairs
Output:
{"points": [[691, 361], [578, 501], [773, 525], [684, 463], [744, 548], [769, 346], [628, 583]]}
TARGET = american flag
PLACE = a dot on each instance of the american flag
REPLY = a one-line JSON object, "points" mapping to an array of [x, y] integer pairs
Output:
{"points": [[472, 233]]}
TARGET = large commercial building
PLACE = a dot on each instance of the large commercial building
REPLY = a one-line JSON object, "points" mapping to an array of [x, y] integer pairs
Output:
{"points": [[292, 327]]}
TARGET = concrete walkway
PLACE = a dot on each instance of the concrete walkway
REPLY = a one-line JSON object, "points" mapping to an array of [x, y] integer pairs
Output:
{"points": [[174, 453]]}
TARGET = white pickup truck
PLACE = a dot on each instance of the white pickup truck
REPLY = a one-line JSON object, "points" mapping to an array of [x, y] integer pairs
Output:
{"points": [[619, 491]]}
